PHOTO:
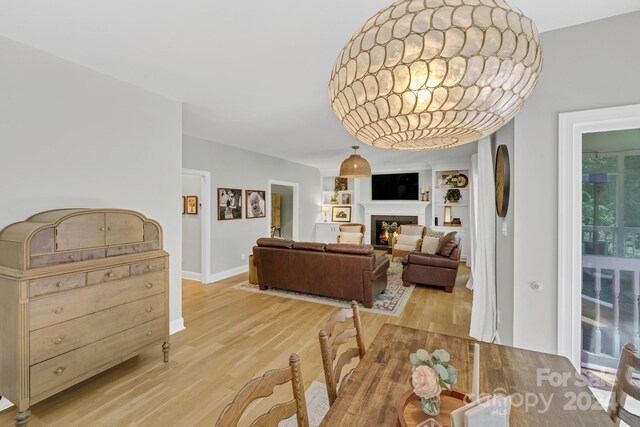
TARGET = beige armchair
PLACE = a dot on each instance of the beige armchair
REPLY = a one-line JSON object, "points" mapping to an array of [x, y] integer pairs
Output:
{"points": [[409, 239], [352, 234]]}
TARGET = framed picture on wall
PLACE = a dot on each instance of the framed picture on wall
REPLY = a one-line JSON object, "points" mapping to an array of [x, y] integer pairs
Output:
{"points": [[184, 205], [341, 214], [256, 203], [192, 205], [229, 204], [346, 199], [342, 184]]}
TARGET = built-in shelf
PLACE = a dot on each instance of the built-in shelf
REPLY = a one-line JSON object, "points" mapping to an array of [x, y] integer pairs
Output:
{"points": [[453, 188], [453, 204]]}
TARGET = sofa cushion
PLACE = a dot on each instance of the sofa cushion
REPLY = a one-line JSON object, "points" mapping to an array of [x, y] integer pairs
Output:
{"points": [[275, 243], [350, 237], [351, 228], [430, 245], [309, 246], [447, 244], [432, 233], [406, 248], [419, 258], [409, 240], [345, 248]]}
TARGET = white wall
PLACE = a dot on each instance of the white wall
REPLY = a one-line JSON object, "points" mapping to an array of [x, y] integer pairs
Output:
{"points": [[232, 167], [505, 244], [192, 229], [594, 65], [71, 137]]}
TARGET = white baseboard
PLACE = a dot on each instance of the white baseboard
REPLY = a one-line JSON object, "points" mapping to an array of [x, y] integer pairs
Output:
{"points": [[190, 275], [176, 325], [227, 273]]}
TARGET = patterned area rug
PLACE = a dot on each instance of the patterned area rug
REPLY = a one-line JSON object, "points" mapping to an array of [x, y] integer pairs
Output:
{"points": [[391, 303]]}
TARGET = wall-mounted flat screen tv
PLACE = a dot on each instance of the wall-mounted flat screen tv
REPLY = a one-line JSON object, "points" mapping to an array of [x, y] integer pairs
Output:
{"points": [[398, 186]]}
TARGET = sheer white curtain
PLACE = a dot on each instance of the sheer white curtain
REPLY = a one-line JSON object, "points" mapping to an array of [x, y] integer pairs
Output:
{"points": [[483, 283]]}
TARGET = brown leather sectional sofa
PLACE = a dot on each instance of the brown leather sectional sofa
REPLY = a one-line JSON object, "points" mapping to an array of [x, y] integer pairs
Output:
{"points": [[346, 271]]}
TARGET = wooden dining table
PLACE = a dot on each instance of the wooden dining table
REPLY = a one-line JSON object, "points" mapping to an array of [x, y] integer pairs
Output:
{"points": [[545, 389]]}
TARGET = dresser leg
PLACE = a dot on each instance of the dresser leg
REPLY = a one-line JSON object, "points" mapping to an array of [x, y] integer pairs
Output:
{"points": [[22, 419], [165, 349]]}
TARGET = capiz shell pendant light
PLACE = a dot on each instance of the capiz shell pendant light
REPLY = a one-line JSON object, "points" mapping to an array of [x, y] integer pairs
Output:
{"points": [[425, 74], [355, 166]]}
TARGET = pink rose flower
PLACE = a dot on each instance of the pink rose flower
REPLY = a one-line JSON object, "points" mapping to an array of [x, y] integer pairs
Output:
{"points": [[425, 382]]}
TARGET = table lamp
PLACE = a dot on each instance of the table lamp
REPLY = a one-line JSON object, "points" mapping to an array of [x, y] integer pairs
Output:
{"points": [[325, 210]]}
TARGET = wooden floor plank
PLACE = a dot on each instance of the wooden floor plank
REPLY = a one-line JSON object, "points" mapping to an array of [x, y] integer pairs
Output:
{"points": [[231, 336]]}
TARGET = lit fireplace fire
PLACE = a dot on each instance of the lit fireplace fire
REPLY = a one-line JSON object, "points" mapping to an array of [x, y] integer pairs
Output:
{"points": [[384, 236]]}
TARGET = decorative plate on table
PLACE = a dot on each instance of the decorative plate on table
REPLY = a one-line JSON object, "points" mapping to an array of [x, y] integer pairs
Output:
{"points": [[410, 414]]}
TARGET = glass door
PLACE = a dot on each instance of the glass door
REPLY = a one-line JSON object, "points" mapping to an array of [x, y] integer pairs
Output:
{"points": [[610, 249]]}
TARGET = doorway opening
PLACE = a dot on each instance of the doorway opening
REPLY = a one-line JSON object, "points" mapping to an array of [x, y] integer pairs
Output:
{"points": [[283, 213], [196, 225]]}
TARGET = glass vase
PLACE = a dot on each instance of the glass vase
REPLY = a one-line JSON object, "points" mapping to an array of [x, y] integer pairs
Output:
{"points": [[431, 406]]}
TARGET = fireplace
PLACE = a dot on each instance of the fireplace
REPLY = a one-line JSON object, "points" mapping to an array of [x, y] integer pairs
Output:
{"points": [[379, 237]]}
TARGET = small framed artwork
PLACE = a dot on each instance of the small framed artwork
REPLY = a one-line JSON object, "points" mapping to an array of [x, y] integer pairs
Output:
{"points": [[341, 214], [192, 205], [346, 199], [229, 204], [342, 184], [256, 203], [184, 205]]}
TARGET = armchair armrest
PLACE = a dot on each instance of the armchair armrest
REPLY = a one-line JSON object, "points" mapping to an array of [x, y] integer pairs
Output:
{"points": [[382, 264], [418, 245], [431, 260]]}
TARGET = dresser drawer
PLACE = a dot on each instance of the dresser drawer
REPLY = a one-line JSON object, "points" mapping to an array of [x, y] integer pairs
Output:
{"points": [[66, 257], [56, 284], [147, 267], [132, 249], [58, 339], [69, 305], [107, 275], [66, 367]]}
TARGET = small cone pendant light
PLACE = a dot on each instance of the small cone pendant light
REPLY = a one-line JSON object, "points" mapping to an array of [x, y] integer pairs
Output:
{"points": [[355, 166]]}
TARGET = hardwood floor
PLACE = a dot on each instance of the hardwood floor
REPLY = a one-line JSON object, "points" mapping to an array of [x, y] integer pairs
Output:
{"points": [[232, 336]]}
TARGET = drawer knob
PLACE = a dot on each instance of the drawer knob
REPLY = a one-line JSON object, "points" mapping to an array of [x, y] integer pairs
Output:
{"points": [[102, 229], [110, 274], [149, 285], [59, 371], [108, 228], [71, 257], [57, 310], [149, 333], [57, 340], [59, 284], [149, 267], [149, 309]]}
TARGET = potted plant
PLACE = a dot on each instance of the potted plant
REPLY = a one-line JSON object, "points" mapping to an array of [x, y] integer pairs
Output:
{"points": [[453, 196], [390, 228], [334, 198]]}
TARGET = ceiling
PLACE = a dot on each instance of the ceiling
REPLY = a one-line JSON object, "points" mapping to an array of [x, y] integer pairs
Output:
{"points": [[251, 74]]}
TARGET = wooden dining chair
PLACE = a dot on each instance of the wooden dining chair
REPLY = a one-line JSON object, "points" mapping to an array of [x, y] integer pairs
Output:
{"points": [[329, 351], [623, 386], [262, 387]]}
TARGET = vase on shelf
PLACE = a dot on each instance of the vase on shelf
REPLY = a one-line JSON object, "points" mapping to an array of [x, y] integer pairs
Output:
{"points": [[431, 406]]}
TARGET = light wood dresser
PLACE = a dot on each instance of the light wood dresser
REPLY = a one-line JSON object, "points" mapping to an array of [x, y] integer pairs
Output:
{"points": [[81, 290]]}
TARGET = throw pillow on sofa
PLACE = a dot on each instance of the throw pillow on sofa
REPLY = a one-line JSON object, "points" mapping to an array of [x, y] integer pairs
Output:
{"points": [[432, 233], [406, 242], [350, 237], [447, 244], [430, 245]]}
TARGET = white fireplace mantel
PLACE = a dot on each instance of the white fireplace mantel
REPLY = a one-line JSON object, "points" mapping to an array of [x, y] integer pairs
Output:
{"points": [[393, 208]]}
